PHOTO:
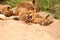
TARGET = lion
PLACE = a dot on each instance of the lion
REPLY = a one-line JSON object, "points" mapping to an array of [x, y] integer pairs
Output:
{"points": [[6, 10], [27, 12], [29, 16], [26, 15]]}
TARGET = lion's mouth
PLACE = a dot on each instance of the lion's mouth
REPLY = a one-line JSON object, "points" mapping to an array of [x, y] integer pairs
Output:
{"points": [[30, 18]]}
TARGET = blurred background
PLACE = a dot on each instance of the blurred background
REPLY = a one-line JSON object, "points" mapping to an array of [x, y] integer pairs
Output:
{"points": [[52, 6]]}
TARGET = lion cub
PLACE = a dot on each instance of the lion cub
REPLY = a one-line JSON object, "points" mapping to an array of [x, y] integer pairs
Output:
{"points": [[25, 7], [6, 10], [33, 17], [26, 15], [27, 12]]}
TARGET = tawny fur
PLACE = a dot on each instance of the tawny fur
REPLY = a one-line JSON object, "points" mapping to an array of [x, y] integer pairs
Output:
{"points": [[44, 21], [13, 10], [27, 12], [30, 5], [27, 15], [6, 10], [35, 3], [33, 17]]}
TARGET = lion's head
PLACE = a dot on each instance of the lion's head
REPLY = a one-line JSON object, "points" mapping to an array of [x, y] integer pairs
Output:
{"points": [[27, 15], [7, 10]]}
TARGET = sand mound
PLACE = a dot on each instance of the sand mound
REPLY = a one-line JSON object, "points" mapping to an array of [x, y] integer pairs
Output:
{"points": [[18, 30]]}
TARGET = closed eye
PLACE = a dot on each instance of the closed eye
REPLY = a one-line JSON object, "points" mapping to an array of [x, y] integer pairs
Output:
{"points": [[30, 14]]}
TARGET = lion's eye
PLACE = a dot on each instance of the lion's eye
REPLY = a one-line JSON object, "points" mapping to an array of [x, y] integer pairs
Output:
{"points": [[30, 14], [26, 15], [8, 8]]}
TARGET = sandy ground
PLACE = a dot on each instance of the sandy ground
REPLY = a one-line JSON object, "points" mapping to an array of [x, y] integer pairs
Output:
{"points": [[18, 30]]}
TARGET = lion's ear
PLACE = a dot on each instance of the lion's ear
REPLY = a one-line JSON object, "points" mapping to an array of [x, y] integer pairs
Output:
{"points": [[34, 1], [36, 5], [8, 7], [47, 16]]}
